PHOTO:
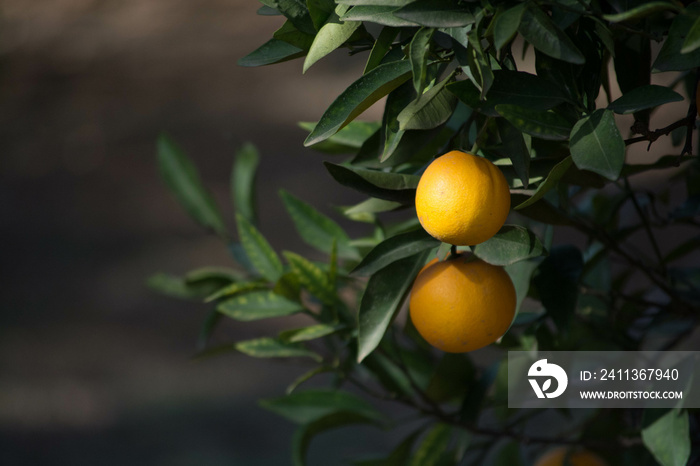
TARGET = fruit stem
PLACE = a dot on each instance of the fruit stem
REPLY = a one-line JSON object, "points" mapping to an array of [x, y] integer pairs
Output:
{"points": [[453, 251]]}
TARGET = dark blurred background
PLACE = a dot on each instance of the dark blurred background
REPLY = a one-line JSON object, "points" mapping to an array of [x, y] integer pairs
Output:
{"points": [[95, 368]]}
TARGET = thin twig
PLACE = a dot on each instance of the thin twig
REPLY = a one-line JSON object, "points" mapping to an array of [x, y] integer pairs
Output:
{"points": [[647, 228]]}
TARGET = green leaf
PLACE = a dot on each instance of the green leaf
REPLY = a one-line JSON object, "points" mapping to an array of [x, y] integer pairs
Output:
{"points": [[597, 145], [257, 305], [359, 96], [182, 178], [243, 181], [668, 438], [176, 287], [393, 249], [309, 333], [303, 436], [692, 40], [538, 29], [522, 89], [437, 13], [297, 13], [418, 55], [520, 274], [514, 147], [365, 210], [395, 187], [381, 46], [506, 24], [432, 447], [641, 11], [261, 255], [671, 57], [511, 244], [320, 11], [270, 348], [347, 140], [552, 179], [316, 229], [380, 14], [272, 51], [644, 97], [215, 274], [399, 455], [312, 278], [543, 125], [310, 405], [430, 110], [557, 280], [383, 297], [291, 35], [234, 289], [332, 35], [306, 376]]}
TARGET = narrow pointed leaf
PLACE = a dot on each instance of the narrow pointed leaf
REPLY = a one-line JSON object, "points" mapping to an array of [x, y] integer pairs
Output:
{"points": [[514, 147], [182, 178], [393, 249], [359, 96], [641, 11], [551, 181], [272, 51], [245, 168], [379, 14], [297, 13], [259, 252], [597, 145], [511, 244], [437, 13], [643, 98], [383, 297], [381, 46], [309, 333], [257, 305], [332, 35], [234, 289], [506, 25], [418, 54], [396, 187], [543, 125], [316, 229], [348, 140], [538, 29], [430, 110], [312, 278], [270, 348], [671, 57], [692, 40]]}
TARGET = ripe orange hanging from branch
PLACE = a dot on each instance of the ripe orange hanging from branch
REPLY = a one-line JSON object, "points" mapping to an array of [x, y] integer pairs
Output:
{"points": [[462, 199], [462, 304]]}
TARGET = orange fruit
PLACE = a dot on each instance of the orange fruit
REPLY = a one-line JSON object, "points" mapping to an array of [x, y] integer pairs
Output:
{"points": [[557, 456], [462, 304], [462, 199]]}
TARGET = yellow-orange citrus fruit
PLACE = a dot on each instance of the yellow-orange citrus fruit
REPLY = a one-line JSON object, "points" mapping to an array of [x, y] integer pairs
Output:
{"points": [[462, 199], [461, 304], [556, 457]]}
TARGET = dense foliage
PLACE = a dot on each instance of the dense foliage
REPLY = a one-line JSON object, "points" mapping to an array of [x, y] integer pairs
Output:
{"points": [[452, 74]]}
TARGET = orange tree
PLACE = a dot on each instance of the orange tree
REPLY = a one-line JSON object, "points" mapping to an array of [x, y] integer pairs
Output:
{"points": [[452, 72]]}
